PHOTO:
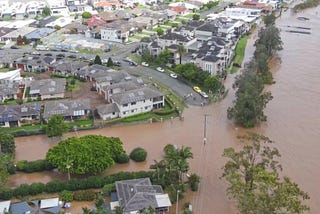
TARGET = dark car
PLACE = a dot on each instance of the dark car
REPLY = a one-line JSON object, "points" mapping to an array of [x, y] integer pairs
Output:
{"points": [[14, 47], [132, 63], [72, 56], [107, 50], [117, 63], [48, 54], [60, 56]]}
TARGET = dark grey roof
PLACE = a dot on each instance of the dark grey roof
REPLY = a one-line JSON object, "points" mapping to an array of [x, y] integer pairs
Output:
{"points": [[146, 40], [92, 70], [43, 22], [21, 208], [137, 194], [69, 66], [40, 33], [155, 44], [135, 95], [16, 112], [107, 109], [65, 107], [8, 89], [130, 84], [36, 60], [175, 36], [48, 86], [5, 30], [209, 27], [111, 76]]}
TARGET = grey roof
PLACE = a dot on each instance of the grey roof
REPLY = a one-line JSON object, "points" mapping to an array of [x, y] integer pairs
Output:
{"points": [[9, 57], [36, 60], [127, 85], [65, 107], [137, 194], [107, 109], [5, 30], [8, 89], [16, 112], [92, 70], [175, 36], [146, 40], [209, 27], [69, 66], [48, 86], [135, 95], [21, 208], [111, 76], [43, 22], [40, 33]]}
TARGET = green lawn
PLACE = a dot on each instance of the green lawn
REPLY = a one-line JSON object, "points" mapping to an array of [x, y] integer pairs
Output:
{"points": [[86, 51], [239, 51]]}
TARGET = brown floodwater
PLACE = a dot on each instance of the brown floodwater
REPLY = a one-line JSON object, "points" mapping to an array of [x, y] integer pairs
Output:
{"points": [[293, 123]]}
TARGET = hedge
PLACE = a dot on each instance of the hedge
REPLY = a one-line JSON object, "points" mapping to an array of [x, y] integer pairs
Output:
{"points": [[34, 166], [56, 186], [138, 154], [84, 195]]}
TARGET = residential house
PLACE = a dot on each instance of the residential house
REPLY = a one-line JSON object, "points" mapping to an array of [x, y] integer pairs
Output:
{"points": [[186, 5], [69, 109], [16, 115], [77, 5], [109, 5], [10, 77], [9, 91], [76, 28], [67, 67], [138, 101], [91, 72], [108, 16], [175, 39], [248, 15], [61, 22], [117, 31], [13, 35], [108, 111], [43, 22], [109, 77], [34, 8], [22, 207], [179, 10], [137, 194], [58, 7], [34, 63], [50, 205], [4, 206], [4, 31], [122, 85], [8, 60], [256, 5], [47, 88], [40, 33]]}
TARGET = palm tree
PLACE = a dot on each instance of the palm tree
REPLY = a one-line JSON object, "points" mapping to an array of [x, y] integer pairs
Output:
{"points": [[181, 50]]}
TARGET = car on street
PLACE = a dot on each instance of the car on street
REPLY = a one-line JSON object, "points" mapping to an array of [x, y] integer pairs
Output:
{"points": [[132, 63], [72, 56], [36, 53], [48, 54], [204, 94], [197, 89], [145, 64], [173, 75], [107, 50], [160, 69], [117, 63], [14, 47]]}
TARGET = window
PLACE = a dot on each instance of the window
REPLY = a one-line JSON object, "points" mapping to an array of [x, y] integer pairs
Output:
{"points": [[124, 113], [133, 103], [125, 105]]}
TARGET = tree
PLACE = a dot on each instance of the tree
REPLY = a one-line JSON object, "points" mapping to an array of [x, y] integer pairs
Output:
{"points": [[138, 154], [66, 196], [250, 98], [88, 154], [46, 11], [86, 15], [6, 161], [97, 60], [159, 31], [109, 63], [7, 143], [56, 126], [270, 38], [196, 17], [181, 50], [212, 83], [269, 20], [254, 181]]}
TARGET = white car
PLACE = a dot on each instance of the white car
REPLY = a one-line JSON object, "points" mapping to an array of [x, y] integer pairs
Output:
{"points": [[145, 64], [175, 76], [203, 94], [160, 69]]}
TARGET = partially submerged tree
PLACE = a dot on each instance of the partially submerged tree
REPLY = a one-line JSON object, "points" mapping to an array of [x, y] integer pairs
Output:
{"points": [[7, 143], [56, 126], [88, 154], [270, 38], [254, 181]]}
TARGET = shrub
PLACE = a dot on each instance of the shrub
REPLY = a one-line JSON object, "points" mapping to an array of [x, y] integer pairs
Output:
{"points": [[138, 154], [34, 166], [66, 196], [84, 195], [194, 180], [108, 188], [122, 158]]}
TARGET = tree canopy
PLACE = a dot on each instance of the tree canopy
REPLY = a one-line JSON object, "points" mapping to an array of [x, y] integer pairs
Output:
{"points": [[97, 60], [7, 143], [254, 181], [56, 126], [86, 15], [270, 38], [110, 62], [250, 98], [87, 154], [46, 11]]}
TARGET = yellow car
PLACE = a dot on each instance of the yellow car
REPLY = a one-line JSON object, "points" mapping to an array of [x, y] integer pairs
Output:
{"points": [[197, 89]]}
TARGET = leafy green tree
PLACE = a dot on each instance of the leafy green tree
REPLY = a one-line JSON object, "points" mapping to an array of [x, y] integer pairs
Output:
{"points": [[196, 17], [181, 50], [138, 154], [66, 196], [163, 57], [97, 60], [6, 160], [88, 154], [269, 20], [109, 63], [46, 11], [159, 31], [270, 38], [254, 181], [56, 126], [194, 181], [212, 83], [250, 98], [7, 143], [86, 15]]}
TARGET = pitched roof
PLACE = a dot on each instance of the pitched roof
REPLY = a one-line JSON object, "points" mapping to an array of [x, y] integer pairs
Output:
{"points": [[48, 86], [66, 108], [178, 9], [39, 33], [137, 194], [16, 112], [95, 21], [107, 109], [22, 207], [135, 95], [4, 206], [175, 36], [9, 89]]}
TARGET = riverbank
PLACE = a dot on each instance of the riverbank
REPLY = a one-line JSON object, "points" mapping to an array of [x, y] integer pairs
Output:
{"points": [[305, 5]]}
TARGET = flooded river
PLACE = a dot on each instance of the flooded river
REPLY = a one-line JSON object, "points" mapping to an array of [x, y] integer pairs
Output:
{"points": [[293, 122]]}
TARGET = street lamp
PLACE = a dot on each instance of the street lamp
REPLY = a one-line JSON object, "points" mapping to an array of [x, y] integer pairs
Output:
{"points": [[177, 204], [68, 168]]}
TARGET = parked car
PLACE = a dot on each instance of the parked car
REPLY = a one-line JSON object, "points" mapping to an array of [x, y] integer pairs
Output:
{"points": [[133, 63], [72, 56], [160, 69], [48, 54], [107, 50], [14, 47], [197, 89], [117, 63], [203, 94], [36, 53], [145, 64], [173, 75]]}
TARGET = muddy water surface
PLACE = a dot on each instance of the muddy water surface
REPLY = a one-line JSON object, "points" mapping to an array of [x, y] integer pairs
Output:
{"points": [[293, 122]]}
